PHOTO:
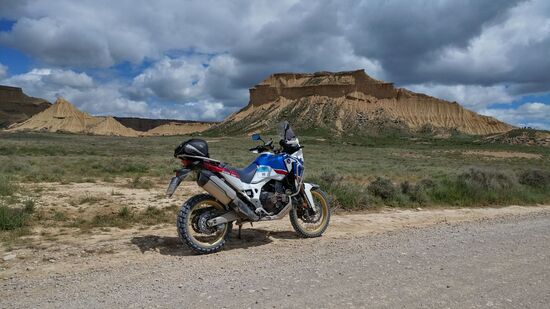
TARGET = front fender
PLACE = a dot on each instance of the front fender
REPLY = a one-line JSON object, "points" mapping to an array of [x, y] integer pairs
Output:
{"points": [[307, 190]]}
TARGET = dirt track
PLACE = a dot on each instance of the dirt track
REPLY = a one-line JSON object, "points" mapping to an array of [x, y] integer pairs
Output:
{"points": [[433, 258]]}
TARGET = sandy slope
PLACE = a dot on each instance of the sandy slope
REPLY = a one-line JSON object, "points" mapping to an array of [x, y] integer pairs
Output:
{"points": [[174, 128], [63, 116], [351, 102]]}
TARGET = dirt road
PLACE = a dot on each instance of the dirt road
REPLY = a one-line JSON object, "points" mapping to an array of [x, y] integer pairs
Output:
{"points": [[461, 258]]}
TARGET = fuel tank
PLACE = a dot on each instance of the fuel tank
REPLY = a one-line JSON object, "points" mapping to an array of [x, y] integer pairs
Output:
{"points": [[275, 161]]}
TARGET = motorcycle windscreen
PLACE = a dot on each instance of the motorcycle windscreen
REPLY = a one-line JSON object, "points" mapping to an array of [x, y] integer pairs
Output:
{"points": [[285, 131], [176, 181]]}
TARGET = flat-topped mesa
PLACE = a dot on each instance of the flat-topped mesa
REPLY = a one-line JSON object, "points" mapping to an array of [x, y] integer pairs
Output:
{"points": [[351, 103], [16, 106], [333, 85]]}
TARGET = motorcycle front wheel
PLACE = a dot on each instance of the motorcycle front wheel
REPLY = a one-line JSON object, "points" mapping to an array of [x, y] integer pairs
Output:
{"points": [[310, 224], [192, 227]]}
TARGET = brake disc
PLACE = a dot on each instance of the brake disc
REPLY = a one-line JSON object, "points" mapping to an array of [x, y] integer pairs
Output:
{"points": [[311, 215], [201, 222]]}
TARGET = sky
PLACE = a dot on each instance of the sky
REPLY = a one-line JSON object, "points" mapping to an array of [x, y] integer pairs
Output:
{"points": [[191, 59]]}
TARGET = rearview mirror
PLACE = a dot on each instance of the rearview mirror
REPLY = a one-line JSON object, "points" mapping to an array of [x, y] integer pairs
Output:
{"points": [[256, 137]]}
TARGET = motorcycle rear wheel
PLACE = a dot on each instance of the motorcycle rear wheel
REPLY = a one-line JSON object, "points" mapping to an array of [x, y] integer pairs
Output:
{"points": [[195, 211], [312, 229]]}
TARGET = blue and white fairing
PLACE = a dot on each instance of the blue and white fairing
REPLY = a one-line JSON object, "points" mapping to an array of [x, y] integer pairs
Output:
{"points": [[277, 166], [268, 167]]}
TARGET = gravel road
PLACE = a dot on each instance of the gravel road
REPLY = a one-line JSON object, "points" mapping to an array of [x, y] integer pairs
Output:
{"points": [[499, 262]]}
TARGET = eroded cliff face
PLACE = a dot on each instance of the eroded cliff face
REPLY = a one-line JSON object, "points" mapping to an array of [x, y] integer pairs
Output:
{"points": [[15, 106], [351, 103]]}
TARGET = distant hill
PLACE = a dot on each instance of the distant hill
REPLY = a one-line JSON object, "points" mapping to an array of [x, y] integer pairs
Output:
{"points": [[144, 124], [15, 106], [63, 116], [178, 128], [350, 103]]}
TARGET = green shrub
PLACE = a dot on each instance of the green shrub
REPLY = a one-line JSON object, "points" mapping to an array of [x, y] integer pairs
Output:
{"points": [[29, 206], [12, 218], [7, 187], [415, 193], [341, 194], [383, 188], [485, 179], [125, 212], [140, 183], [535, 178], [59, 216]]}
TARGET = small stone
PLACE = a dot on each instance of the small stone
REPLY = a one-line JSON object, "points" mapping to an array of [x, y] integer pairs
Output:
{"points": [[9, 257], [419, 209], [251, 291], [29, 268], [51, 260], [265, 288]]}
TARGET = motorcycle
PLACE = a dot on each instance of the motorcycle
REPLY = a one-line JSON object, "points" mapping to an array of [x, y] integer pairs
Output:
{"points": [[268, 189]]}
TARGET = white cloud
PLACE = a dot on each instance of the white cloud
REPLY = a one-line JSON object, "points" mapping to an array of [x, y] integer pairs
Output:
{"points": [[80, 89], [3, 71], [471, 96], [535, 114], [84, 34], [515, 49], [201, 110], [200, 54], [172, 79]]}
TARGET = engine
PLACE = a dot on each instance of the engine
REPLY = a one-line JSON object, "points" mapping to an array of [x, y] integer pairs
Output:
{"points": [[273, 197]]}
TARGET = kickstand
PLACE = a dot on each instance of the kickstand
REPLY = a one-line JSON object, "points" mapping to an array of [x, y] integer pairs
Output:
{"points": [[240, 228]]}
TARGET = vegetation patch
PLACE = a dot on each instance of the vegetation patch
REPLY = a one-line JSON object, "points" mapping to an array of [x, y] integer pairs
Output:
{"points": [[126, 218], [473, 187], [7, 186], [140, 183]]}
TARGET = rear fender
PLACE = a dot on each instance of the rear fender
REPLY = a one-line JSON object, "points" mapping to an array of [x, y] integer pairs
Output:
{"points": [[176, 181]]}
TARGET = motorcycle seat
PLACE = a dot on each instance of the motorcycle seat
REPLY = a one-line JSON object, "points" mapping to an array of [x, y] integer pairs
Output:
{"points": [[247, 174]]}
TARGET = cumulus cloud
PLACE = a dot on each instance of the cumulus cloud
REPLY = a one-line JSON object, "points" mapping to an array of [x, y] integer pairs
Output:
{"points": [[472, 96], [3, 71], [189, 79], [535, 115], [78, 88], [172, 79], [84, 34], [204, 55], [200, 110]]}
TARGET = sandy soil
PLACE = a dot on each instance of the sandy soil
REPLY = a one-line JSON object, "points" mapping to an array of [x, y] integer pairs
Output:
{"points": [[503, 154], [63, 249]]}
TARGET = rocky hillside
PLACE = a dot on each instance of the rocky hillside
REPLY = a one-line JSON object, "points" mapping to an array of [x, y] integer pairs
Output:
{"points": [[351, 103], [520, 137], [15, 106], [145, 124]]}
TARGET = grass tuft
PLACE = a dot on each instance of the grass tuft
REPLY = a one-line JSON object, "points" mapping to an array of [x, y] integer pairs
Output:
{"points": [[7, 187], [140, 183]]}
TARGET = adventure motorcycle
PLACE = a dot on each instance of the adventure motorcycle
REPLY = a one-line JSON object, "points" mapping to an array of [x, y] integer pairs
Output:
{"points": [[268, 189]]}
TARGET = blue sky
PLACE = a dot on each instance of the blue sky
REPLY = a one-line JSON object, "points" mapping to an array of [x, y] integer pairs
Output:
{"points": [[197, 59]]}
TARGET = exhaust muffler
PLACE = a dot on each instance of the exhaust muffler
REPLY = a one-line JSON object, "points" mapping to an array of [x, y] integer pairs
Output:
{"points": [[224, 193]]}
